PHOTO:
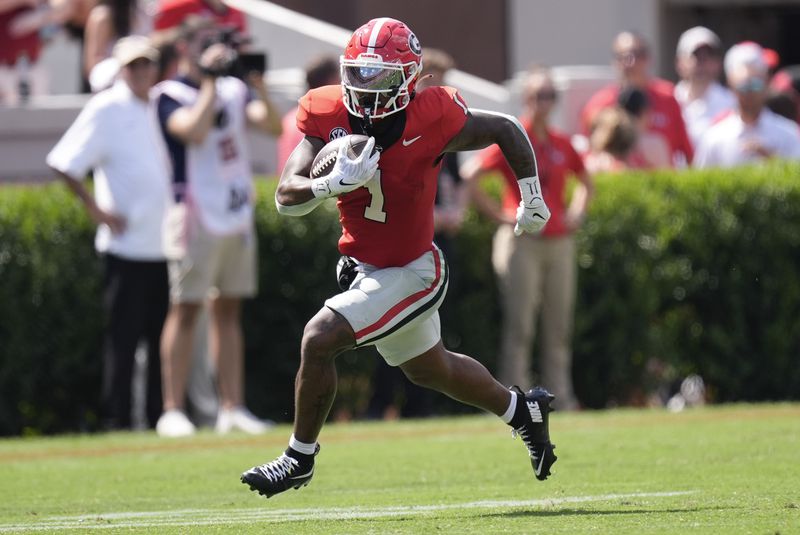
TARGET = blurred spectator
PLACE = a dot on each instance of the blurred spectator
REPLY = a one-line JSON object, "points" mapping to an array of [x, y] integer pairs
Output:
{"points": [[20, 47], [536, 273], [698, 62], [108, 22], [448, 216], [131, 195], [48, 16], [650, 150], [321, 71], [172, 13], [611, 141], [632, 62], [751, 132], [74, 15], [785, 87], [782, 104], [203, 115]]}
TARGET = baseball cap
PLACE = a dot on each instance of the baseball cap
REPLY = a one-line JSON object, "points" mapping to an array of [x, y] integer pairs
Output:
{"points": [[133, 47], [694, 38], [745, 53]]}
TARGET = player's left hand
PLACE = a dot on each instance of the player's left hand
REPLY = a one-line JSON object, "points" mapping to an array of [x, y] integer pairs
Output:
{"points": [[531, 217], [532, 212]]}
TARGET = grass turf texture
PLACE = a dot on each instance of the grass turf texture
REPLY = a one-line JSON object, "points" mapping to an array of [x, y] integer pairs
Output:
{"points": [[730, 469]]}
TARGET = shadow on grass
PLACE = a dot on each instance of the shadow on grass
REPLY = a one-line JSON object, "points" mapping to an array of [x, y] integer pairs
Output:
{"points": [[594, 512]]}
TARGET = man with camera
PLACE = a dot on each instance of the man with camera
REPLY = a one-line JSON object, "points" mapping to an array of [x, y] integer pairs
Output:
{"points": [[204, 113]]}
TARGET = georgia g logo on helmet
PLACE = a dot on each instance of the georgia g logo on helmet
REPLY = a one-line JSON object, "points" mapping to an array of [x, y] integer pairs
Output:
{"points": [[380, 67], [413, 44]]}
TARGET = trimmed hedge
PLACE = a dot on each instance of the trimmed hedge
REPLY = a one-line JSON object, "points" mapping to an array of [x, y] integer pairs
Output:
{"points": [[693, 272], [51, 317], [679, 273]]}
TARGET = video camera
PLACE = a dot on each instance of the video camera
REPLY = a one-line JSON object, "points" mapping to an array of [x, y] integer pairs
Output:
{"points": [[239, 64]]}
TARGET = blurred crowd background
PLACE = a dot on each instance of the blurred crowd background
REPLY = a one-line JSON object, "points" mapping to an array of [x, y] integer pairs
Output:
{"points": [[51, 48], [601, 87]]}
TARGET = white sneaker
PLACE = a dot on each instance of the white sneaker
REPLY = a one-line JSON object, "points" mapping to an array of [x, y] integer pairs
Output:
{"points": [[242, 419], [174, 423]]}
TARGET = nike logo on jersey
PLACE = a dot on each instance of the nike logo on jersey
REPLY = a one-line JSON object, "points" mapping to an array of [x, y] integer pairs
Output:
{"points": [[407, 142], [536, 414]]}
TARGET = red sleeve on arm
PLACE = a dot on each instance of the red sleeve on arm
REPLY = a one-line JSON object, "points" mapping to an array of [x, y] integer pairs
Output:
{"points": [[305, 119], [454, 113]]}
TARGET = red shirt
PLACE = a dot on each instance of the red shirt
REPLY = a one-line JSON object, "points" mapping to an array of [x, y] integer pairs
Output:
{"points": [[555, 160], [665, 114], [171, 13], [389, 222], [13, 48]]}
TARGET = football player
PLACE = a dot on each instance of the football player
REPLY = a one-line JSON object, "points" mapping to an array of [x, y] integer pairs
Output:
{"points": [[394, 277]]}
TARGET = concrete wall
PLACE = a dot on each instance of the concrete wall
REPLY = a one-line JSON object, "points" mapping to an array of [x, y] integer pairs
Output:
{"points": [[575, 32]]}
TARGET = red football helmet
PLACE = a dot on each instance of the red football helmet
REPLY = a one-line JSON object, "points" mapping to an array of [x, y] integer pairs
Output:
{"points": [[380, 67]]}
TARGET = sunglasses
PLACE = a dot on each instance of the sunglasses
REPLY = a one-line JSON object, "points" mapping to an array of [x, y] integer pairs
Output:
{"points": [[545, 96], [631, 55], [751, 85]]}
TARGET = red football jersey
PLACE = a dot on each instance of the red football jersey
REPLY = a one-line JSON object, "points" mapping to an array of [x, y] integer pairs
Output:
{"points": [[389, 221]]}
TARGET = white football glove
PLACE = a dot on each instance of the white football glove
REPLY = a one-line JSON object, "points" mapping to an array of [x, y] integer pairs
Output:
{"points": [[347, 174], [532, 212]]}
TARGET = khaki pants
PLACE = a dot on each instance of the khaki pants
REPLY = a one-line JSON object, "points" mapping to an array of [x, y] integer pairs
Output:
{"points": [[536, 275]]}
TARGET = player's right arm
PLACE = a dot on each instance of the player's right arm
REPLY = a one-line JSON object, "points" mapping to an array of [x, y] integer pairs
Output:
{"points": [[294, 195]]}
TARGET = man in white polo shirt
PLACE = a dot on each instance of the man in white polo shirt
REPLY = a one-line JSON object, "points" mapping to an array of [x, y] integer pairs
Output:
{"points": [[698, 61], [751, 132], [116, 136]]}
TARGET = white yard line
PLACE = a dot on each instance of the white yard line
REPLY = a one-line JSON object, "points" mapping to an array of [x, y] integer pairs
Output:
{"points": [[206, 517]]}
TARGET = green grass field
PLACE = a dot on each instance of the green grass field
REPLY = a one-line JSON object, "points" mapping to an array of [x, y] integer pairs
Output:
{"points": [[720, 470]]}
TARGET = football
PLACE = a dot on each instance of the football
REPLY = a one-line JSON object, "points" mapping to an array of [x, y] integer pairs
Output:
{"points": [[326, 157]]}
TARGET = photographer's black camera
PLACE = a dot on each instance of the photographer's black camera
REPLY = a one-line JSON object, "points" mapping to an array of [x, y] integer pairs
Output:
{"points": [[238, 63]]}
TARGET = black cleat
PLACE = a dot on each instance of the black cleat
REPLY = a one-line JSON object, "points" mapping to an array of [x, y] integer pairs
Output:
{"points": [[291, 470], [533, 409]]}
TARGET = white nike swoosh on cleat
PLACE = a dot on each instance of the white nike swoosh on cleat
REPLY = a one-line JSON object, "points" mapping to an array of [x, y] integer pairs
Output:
{"points": [[407, 142], [302, 475], [538, 470]]}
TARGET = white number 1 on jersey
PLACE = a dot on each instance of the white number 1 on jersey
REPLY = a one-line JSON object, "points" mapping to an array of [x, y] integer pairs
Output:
{"points": [[374, 210]]}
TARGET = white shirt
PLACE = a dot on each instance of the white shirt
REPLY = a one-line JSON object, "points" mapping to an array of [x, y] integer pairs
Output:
{"points": [[699, 114], [219, 181], [116, 135], [724, 145]]}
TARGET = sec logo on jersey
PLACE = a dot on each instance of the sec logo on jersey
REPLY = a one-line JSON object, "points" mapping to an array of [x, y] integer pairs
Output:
{"points": [[336, 133]]}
